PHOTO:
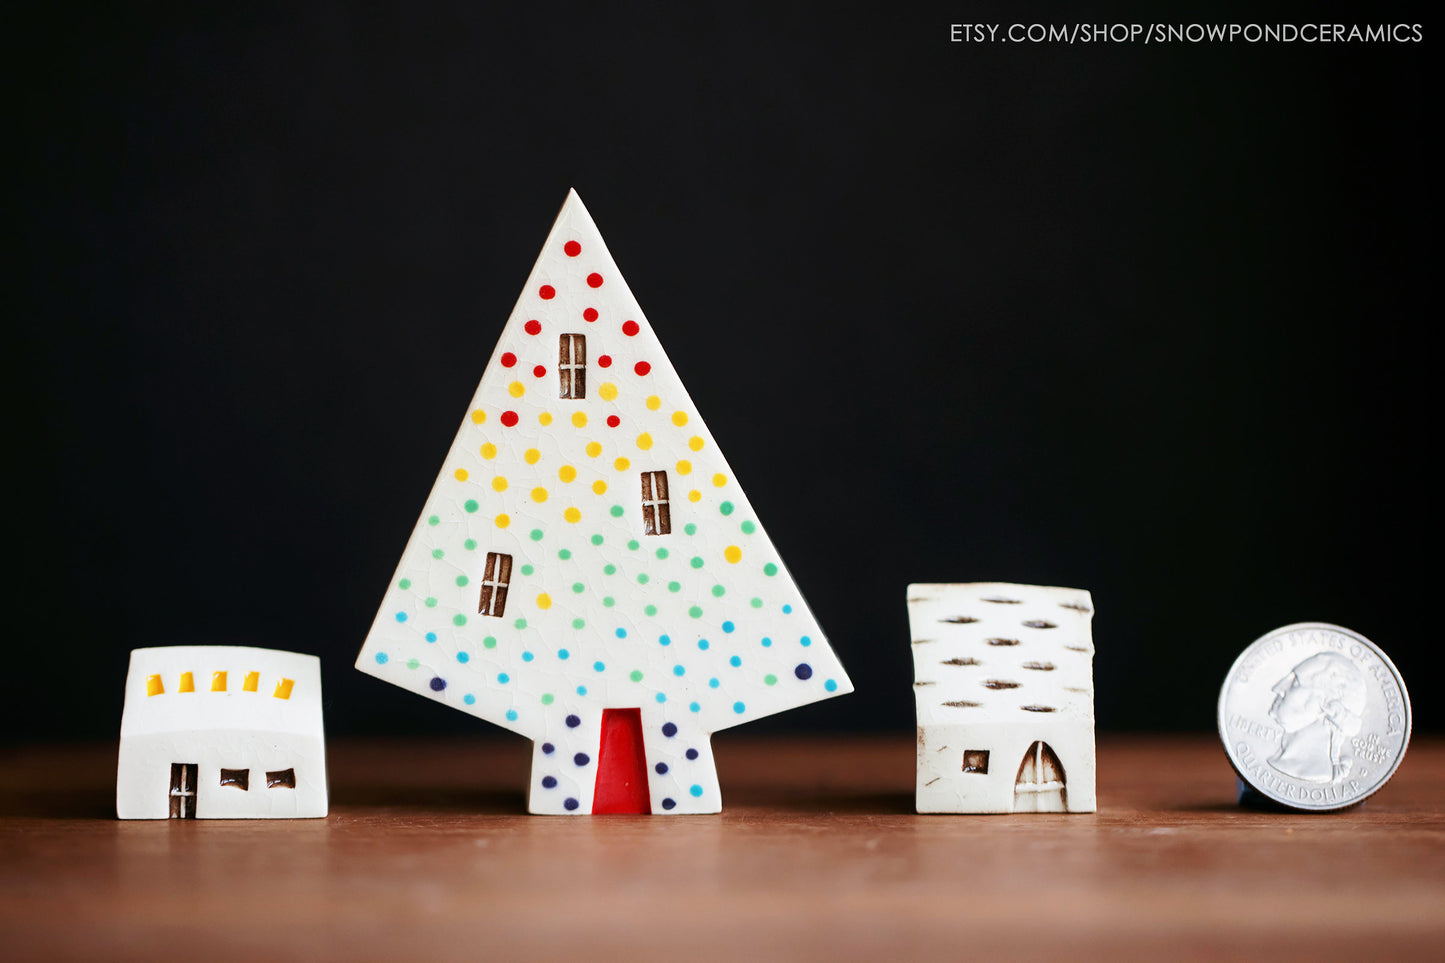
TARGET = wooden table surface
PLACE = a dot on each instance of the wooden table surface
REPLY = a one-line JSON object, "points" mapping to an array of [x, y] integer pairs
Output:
{"points": [[428, 854]]}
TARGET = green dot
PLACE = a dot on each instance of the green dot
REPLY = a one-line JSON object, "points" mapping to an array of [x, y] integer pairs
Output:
{"points": [[437, 553], [690, 528], [430, 602], [633, 545], [770, 679], [651, 610], [413, 663], [642, 579], [565, 554], [726, 508], [404, 584], [528, 569], [696, 561], [609, 569], [662, 553], [490, 642], [718, 591], [695, 611], [459, 620], [616, 511], [578, 587], [470, 544], [536, 534], [596, 539], [471, 505], [547, 699], [462, 580], [770, 569], [635, 675], [674, 586], [756, 603], [748, 527], [578, 623], [608, 601], [434, 520], [520, 623]]}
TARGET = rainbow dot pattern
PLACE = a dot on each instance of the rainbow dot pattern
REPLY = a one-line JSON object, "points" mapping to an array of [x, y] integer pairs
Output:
{"points": [[701, 628]]}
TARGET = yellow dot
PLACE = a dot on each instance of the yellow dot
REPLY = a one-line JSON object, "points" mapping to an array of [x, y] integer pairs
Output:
{"points": [[539, 494], [694, 496], [594, 449], [461, 474], [503, 521], [679, 418], [567, 473], [499, 483], [532, 456], [608, 391], [719, 479], [479, 416], [579, 418], [545, 418], [544, 601], [695, 443], [733, 554], [644, 441], [572, 515], [599, 487], [684, 467], [654, 402], [489, 451], [621, 464], [516, 390]]}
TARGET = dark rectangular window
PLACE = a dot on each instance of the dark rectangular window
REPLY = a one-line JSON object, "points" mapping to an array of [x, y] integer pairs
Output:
{"points": [[281, 779], [572, 365], [495, 579], [183, 789], [239, 778], [975, 760], [656, 514]]}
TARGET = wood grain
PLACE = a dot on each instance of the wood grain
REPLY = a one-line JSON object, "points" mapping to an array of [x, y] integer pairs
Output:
{"points": [[428, 854]]}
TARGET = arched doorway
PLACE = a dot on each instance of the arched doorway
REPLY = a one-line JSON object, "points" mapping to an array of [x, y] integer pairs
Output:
{"points": [[1039, 787]]}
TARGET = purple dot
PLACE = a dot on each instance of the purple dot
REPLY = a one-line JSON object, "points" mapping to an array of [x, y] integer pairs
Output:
{"points": [[549, 782], [661, 768], [582, 759], [692, 754], [569, 804], [669, 804], [803, 671], [573, 722], [669, 729], [438, 683], [547, 748]]}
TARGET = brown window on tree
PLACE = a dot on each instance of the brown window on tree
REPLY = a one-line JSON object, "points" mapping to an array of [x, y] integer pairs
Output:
{"points": [[239, 778], [572, 365], [975, 760], [495, 579], [281, 779], [183, 790], [656, 515]]}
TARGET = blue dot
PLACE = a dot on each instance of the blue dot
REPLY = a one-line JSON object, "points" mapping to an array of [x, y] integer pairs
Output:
{"points": [[549, 782], [728, 626], [381, 658], [831, 685], [695, 790], [678, 670], [563, 654], [660, 697], [805, 641], [527, 657], [661, 768], [469, 699], [581, 690], [804, 671], [692, 754], [787, 609], [598, 666], [570, 804], [511, 715], [767, 642], [431, 636], [694, 707], [401, 616], [503, 678], [573, 722], [621, 633], [581, 759], [739, 708], [669, 804], [702, 644], [463, 657], [665, 640], [438, 683], [669, 729], [735, 661], [713, 683], [548, 748]]}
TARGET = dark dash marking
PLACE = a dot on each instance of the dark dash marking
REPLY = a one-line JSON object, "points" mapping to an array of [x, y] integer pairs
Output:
{"points": [[1040, 624], [1039, 666], [961, 704], [959, 661], [1037, 708], [1000, 600], [1000, 684], [1002, 641], [959, 619]]}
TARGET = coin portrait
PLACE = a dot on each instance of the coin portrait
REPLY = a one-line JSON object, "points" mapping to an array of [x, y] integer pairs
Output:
{"points": [[1320, 707]]}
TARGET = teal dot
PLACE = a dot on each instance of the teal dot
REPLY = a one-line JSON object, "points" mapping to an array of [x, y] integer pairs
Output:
{"points": [[726, 508], [621, 633], [463, 657], [470, 544], [635, 675], [430, 603], [767, 642], [413, 663], [805, 641], [609, 569], [735, 661], [695, 612], [490, 642], [694, 707], [831, 685], [787, 609], [718, 591], [696, 561], [469, 699], [633, 545], [437, 553], [536, 534], [381, 658], [503, 678], [642, 579], [404, 584], [756, 603], [401, 616], [548, 698], [739, 708], [581, 690], [578, 587], [616, 511], [748, 527], [528, 569], [664, 640], [660, 697], [598, 666], [578, 623], [511, 715], [596, 539], [770, 569], [471, 505], [565, 554], [434, 520], [563, 654], [462, 580], [459, 620], [770, 679], [661, 553], [696, 790], [679, 670], [650, 611], [520, 623], [690, 528], [674, 586], [608, 601]]}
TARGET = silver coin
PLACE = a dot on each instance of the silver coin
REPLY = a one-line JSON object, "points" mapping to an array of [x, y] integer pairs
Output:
{"points": [[1314, 716]]}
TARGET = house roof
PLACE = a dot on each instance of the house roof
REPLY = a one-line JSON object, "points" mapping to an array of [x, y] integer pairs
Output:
{"points": [[995, 651], [203, 687], [705, 620]]}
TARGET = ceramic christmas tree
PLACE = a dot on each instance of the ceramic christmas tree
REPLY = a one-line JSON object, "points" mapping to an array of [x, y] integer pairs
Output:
{"points": [[587, 571]]}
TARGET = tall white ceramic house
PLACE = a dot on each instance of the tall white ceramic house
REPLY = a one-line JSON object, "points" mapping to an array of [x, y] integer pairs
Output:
{"points": [[1004, 686], [221, 732], [587, 571]]}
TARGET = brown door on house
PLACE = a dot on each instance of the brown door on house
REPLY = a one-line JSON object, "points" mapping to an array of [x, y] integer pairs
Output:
{"points": [[621, 765], [183, 790], [1039, 787]]}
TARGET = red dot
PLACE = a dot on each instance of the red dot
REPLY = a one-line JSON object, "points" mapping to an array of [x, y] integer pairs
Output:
{"points": [[589, 315], [605, 361], [508, 360], [538, 371], [509, 418], [534, 327], [547, 292], [594, 280], [572, 248], [642, 367], [613, 421], [629, 328]]}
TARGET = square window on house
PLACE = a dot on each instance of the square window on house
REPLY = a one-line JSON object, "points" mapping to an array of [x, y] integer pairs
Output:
{"points": [[281, 779], [236, 778], [572, 365], [495, 579], [656, 513], [975, 760]]}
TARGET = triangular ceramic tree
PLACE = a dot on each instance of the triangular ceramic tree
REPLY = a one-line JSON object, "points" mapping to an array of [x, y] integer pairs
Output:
{"points": [[587, 571]]}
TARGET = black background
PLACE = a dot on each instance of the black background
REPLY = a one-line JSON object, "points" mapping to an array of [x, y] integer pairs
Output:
{"points": [[1145, 320]]}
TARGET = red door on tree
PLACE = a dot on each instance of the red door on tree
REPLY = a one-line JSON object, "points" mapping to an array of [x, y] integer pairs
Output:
{"points": [[621, 765]]}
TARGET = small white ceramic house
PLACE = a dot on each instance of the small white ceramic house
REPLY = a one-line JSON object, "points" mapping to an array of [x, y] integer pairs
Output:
{"points": [[587, 570], [221, 732], [1004, 686]]}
